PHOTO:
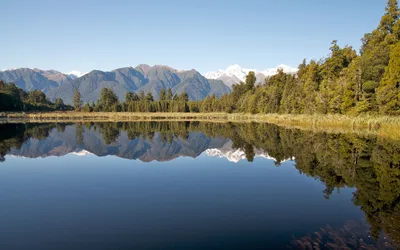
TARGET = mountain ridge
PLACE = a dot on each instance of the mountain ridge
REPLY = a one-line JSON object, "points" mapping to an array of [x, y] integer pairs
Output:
{"points": [[60, 143], [143, 77]]}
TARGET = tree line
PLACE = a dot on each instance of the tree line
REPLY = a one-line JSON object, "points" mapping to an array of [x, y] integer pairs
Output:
{"points": [[13, 98], [142, 102], [345, 82]]}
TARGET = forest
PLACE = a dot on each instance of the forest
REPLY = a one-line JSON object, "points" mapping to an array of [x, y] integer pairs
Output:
{"points": [[13, 98], [345, 82]]}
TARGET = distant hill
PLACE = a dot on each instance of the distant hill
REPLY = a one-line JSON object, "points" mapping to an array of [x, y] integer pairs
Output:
{"points": [[31, 79], [142, 78]]}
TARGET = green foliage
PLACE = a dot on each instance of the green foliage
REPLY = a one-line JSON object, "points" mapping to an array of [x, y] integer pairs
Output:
{"points": [[274, 87], [86, 108], [10, 97], [59, 104], [142, 96], [77, 100], [290, 97], [13, 98], [388, 93], [108, 100], [131, 97], [149, 97], [162, 95], [250, 80], [168, 96], [338, 60], [184, 97], [353, 87], [375, 51], [342, 83]]}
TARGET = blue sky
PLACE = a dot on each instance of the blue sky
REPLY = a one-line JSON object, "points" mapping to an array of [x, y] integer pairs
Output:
{"points": [[184, 34]]}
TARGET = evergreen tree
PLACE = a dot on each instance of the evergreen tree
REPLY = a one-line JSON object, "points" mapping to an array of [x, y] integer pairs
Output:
{"points": [[274, 90], [86, 108], [77, 100], [376, 50], [250, 80], [169, 95], [108, 100], [129, 97], [353, 88], [184, 97], [388, 93], [289, 102], [142, 96], [162, 95], [309, 80], [59, 104], [92, 106], [149, 97]]}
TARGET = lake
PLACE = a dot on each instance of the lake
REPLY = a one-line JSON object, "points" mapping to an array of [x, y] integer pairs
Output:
{"points": [[196, 185]]}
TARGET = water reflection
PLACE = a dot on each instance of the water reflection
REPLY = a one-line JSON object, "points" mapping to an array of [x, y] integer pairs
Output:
{"points": [[370, 164], [353, 235]]}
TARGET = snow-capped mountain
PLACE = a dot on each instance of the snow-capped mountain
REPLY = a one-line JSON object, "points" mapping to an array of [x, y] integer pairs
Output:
{"points": [[272, 71], [82, 152], [8, 69], [75, 74], [233, 70], [235, 73], [235, 155]]}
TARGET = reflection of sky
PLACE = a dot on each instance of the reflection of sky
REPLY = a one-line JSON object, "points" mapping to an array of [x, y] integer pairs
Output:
{"points": [[110, 202]]}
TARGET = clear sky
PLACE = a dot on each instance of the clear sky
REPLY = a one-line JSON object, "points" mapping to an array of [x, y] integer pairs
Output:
{"points": [[202, 34]]}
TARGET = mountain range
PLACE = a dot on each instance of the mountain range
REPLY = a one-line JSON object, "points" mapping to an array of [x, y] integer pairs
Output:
{"points": [[64, 142], [143, 77], [235, 155], [235, 74], [60, 143]]}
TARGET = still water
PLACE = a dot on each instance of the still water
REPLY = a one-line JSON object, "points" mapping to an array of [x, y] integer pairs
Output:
{"points": [[191, 185]]}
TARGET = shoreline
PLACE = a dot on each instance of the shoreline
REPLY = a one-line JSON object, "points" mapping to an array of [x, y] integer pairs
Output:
{"points": [[366, 124]]}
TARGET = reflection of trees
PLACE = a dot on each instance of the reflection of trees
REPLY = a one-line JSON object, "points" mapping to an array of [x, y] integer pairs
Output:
{"points": [[370, 164], [60, 127], [110, 132], [79, 133], [14, 135], [353, 235]]}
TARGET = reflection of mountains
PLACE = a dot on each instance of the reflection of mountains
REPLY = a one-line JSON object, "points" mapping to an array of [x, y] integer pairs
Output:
{"points": [[369, 163], [235, 155], [144, 148]]}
